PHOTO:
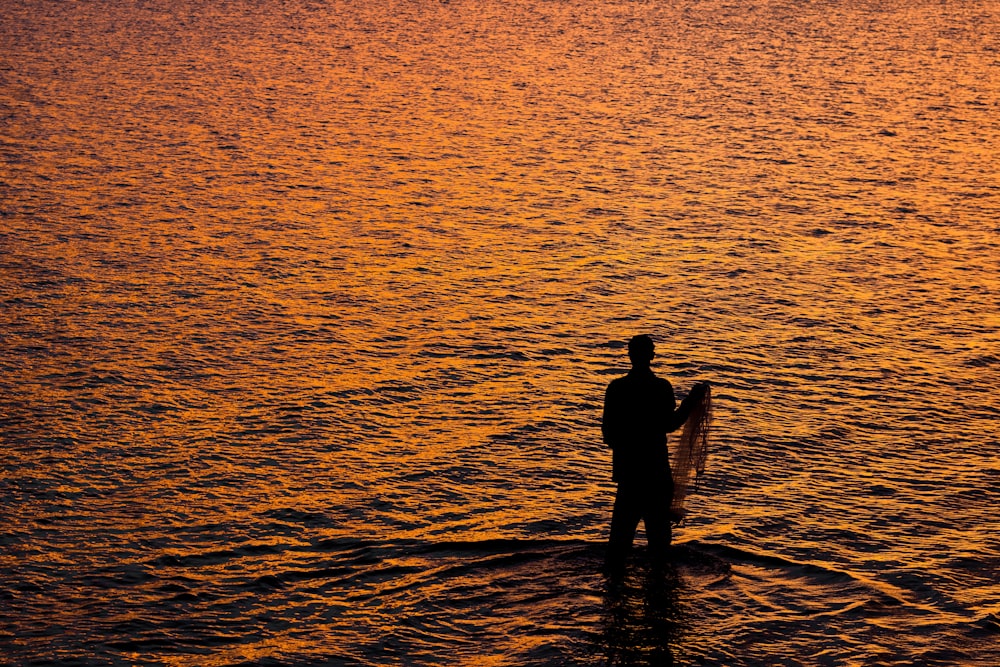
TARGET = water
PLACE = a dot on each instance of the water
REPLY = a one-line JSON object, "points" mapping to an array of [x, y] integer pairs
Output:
{"points": [[308, 309]]}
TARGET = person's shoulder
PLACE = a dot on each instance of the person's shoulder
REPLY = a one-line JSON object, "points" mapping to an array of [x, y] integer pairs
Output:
{"points": [[618, 382], [663, 383], [621, 384]]}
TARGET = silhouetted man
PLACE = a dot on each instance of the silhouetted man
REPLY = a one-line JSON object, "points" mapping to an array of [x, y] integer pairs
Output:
{"points": [[639, 411]]}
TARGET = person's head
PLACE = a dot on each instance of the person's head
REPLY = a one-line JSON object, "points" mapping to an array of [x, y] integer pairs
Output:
{"points": [[641, 350]]}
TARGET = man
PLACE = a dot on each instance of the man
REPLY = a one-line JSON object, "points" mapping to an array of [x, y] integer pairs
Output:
{"points": [[639, 411]]}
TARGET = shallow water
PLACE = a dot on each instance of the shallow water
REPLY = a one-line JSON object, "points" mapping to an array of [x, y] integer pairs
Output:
{"points": [[308, 310]]}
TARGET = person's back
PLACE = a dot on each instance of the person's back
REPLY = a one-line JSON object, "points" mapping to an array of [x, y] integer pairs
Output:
{"points": [[637, 411]]}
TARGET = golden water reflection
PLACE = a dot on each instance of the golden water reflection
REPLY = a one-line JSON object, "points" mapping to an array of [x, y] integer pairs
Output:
{"points": [[292, 292]]}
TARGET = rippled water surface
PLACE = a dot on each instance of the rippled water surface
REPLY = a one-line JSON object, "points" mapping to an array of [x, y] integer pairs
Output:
{"points": [[308, 309]]}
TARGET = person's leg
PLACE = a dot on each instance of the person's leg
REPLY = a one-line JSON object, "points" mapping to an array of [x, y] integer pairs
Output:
{"points": [[624, 521], [658, 534], [656, 518]]}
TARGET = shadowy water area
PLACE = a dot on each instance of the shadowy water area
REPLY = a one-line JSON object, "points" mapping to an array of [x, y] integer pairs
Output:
{"points": [[307, 310]]}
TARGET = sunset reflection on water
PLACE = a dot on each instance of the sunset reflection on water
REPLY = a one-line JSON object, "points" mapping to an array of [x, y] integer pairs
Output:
{"points": [[308, 311]]}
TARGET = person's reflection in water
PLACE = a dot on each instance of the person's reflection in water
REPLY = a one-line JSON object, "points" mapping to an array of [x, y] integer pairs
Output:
{"points": [[639, 411], [642, 618]]}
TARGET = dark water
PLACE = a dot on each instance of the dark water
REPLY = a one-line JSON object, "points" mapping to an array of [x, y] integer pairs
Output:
{"points": [[307, 310]]}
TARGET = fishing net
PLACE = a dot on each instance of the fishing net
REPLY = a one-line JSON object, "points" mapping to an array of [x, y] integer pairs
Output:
{"points": [[690, 452]]}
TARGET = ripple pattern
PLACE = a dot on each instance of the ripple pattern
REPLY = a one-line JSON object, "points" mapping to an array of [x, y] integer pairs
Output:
{"points": [[307, 310]]}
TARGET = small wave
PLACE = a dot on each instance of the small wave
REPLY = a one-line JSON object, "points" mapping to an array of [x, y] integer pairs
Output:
{"points": [[920, 604], [983, 361], [217, 556], [987, 626]]}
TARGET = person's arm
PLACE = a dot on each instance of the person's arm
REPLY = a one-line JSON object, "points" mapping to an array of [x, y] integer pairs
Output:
{"points": [[610, 421], [684, 411]]}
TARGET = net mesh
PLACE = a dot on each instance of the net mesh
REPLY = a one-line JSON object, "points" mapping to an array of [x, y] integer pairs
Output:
{"points": [[690, 453]]}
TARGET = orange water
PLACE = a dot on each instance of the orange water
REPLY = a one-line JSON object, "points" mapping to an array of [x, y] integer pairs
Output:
{"points": [[308, 310]]}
